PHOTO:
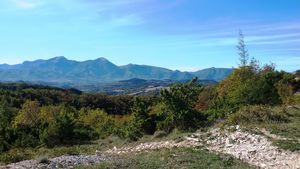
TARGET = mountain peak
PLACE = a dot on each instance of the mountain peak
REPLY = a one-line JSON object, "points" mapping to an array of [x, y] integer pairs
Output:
{"points": [[102, 59], [58, 58]]}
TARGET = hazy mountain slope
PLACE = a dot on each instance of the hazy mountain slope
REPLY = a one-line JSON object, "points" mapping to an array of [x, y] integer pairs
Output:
{"points": [[152, 72], [63, 71], [216, 74]]}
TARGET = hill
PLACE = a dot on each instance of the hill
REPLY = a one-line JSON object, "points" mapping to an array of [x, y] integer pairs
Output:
{"points": [[135, 86]]}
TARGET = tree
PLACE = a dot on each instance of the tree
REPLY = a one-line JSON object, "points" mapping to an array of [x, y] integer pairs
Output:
{"points": [[205, 98], [63, 129], [247, 86], [29, 115], [286, 88], [98, 121], [27, 124], [140, 123], [5, 118], [242, 50], [179, 106]]}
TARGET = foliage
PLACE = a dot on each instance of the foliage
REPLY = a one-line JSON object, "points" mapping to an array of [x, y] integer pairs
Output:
{"points": [[141, 122], [292, 145], [29, 115], [287, 128], [257, 115], [242, 50], [98, 121], [286, 88], [5, 118], [179, 107], [205, 98], [254, 86]]}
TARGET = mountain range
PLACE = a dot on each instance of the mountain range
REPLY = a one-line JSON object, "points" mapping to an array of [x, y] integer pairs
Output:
{"points": [[60, 70]]}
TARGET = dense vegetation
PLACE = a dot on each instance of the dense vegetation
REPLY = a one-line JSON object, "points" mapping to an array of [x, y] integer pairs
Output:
{"points": [[39, 116]]}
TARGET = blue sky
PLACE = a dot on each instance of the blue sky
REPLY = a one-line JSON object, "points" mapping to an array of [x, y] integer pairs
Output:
{"points": [[177, 34]]}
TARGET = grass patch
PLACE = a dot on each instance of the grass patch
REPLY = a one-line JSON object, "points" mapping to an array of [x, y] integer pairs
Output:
{"points": [[258, 115], [281, 121], [171, 158], [290, 129], [20, 154], [292, 145], [16, 155]]}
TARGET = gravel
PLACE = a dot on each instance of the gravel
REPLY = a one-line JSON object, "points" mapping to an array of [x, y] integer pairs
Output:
{"points": [[254, 149]]}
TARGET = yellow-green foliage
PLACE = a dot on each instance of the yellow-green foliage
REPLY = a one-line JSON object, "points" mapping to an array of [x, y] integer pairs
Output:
{"points": [[48, 113], [98, 120], [248, 86], [286, 88], [29, 115], [258, 114], [296, 98]]}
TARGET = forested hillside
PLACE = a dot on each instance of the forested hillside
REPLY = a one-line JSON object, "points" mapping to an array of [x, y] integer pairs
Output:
{"points": [[35, 116]]}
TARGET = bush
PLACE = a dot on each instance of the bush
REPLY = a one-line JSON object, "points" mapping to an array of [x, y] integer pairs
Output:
{"points": [[5, 132], [98, 120], [248, 86], [251, 85], [296, 98], [63, 129], [219, 109], [286, 88], [258, 114], [205, 98], [178, 107], [15, 155], [141, 122]]}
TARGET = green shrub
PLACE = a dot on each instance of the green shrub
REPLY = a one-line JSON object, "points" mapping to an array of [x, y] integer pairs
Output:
{"points": [[296, 98], [219, 109], [141, 122], [5, 132], [258, 114], [178, 107], [285, 90], [98, 120], [15, 155]]}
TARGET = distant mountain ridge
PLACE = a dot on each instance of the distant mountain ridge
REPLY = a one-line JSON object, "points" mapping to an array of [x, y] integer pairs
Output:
{"points": [[63, 71]]}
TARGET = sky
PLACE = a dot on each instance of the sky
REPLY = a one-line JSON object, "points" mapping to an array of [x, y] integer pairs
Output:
{"points": [[185, 35]]}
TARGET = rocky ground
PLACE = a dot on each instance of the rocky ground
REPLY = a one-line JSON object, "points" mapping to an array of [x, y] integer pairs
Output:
{"points": [[254, 149], [58, 162]]}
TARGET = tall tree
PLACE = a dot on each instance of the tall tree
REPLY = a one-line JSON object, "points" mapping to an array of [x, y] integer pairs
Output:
{"points": [[242, 50]]}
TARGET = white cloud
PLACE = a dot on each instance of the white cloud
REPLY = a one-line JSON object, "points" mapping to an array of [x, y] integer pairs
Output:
{"points": [[26, 4], [128, 20]]}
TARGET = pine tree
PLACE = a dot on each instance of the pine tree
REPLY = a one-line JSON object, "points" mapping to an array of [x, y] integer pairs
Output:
{"points": [[242, 50]]}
